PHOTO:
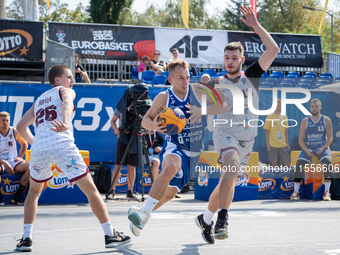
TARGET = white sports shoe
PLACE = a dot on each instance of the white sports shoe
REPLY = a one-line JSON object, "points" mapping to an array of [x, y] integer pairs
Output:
{"points": [[139, 218], [133, 228], [295, 196], [326, 196]]}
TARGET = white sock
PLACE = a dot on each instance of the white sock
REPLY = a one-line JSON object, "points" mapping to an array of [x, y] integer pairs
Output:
{"points": [[150, 203], [28, 228], [208, 216], [219, 209], [107, 228], [327, 186], [296, 186]]}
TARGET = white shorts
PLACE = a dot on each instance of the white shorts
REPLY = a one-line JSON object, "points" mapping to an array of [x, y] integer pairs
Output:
{"points": [[226, 143], [12, 163], [67, 160]]}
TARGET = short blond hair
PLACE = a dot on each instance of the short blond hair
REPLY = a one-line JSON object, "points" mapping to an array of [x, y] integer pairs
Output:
{"points": [[174, 65], [4, 114], [315, 100]]}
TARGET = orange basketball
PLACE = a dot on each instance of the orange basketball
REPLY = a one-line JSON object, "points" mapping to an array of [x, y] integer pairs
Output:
{"points": [[174, 119]]}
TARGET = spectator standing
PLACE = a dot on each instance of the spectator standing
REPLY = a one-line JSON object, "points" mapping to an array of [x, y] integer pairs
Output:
{"points": [[80, 73], [277, 141]]}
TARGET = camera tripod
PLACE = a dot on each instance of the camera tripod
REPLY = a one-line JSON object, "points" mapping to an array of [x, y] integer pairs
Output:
{"points": [[137, 134]]}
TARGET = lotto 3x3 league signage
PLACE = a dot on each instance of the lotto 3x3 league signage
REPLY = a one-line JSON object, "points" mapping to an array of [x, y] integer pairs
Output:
{"points": [[21, 39], [295, 50], [105, 41]]}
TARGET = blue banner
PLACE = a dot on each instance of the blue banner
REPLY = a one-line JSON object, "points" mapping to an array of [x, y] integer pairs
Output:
{"points": [[95, 106]]}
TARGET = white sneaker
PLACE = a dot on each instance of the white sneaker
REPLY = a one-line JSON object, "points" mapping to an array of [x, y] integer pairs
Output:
{"points": [[326, 196], [133, 228], [140, 218], [295, 196]]}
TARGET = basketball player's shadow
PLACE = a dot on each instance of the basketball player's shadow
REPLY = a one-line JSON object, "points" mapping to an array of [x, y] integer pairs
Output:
{"points": [[118, 250], [191, 248]]}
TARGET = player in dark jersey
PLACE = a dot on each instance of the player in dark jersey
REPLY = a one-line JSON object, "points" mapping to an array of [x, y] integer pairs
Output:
{"points": [[234, 143], [179, 152], [316, 134]]}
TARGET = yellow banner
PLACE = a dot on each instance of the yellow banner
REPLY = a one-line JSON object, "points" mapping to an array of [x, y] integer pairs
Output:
{"points": [[323, 15], [185, 13]]}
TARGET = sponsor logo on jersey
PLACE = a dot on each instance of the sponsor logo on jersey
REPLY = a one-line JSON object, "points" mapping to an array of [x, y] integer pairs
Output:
{"points": [[58, 180]]}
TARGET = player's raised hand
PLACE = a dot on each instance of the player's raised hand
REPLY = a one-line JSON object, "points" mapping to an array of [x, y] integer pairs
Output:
{"points": [[248, 13], [59, 126], [195, 112]]}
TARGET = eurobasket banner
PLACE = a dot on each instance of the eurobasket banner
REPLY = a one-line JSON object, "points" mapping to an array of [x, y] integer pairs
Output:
{"points": [[21, 39], [104, 41], [295, 50]]}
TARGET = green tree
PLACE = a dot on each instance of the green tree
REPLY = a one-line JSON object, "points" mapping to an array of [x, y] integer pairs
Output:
{"points": [[108, 11], [231, 16]]}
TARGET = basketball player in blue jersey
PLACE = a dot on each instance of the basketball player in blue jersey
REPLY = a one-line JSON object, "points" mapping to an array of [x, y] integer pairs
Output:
{"points": [[234, 143], [179, 151], [316, 134]]}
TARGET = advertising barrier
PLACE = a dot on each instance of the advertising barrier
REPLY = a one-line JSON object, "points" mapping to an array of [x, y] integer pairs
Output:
{"points": [[105, 41], [9, 185], [21, 39]]}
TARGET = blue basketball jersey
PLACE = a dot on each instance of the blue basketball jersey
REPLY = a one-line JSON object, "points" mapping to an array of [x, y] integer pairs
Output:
{"points": [[315, 133], [190, 139]]}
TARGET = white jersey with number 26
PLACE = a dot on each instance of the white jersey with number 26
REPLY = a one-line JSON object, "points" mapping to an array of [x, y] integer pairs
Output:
{"points": [[48, 108]]}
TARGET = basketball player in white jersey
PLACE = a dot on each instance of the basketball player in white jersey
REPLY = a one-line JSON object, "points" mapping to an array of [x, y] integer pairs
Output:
{"points": [[234, 143], [9, 158], [53, 142]]}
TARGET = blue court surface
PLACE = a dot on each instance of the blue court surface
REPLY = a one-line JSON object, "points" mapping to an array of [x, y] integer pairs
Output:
{"points": [[255, 227]]}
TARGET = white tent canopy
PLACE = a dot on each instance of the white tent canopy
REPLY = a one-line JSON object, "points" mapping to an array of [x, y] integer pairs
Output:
{"points": [[31, 9]]}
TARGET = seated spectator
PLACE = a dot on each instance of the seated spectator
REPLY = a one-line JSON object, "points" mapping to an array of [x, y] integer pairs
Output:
{"points": [[155, 143], [9, 159], [157, 65], [205, 78], [142, 66], [80, 73]]}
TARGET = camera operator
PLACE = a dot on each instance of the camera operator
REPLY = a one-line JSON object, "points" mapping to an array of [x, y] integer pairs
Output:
{"points": [[131, 160], [154, 142]]}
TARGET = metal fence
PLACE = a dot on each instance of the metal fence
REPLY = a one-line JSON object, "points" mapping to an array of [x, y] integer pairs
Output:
{"points": [[58, 54], [333, 64]]}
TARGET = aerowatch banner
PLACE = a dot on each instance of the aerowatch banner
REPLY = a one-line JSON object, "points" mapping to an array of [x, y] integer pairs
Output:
{"points": [[21, 39], [105, 41], [295, 50]]}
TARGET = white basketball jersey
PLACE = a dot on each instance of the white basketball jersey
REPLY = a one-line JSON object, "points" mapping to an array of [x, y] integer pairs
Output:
{"points": [[8, 145], [48, 108], [237, 125]]}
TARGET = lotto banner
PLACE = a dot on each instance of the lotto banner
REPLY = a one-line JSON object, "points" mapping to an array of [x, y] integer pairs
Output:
{"points": [[122, 184], [21, 39], [146, 180], [286, 184], [207, 174], [9, 185], [268, 188], [295, 50], [105, 41]]}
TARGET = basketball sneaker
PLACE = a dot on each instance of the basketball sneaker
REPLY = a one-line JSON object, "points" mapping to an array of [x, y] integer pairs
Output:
{"points": [[118, 239], [326, 196], [133, 228], [221, 229], [25, 245], [139, 218], [17, 199], [295, 196], [206, 230]]}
